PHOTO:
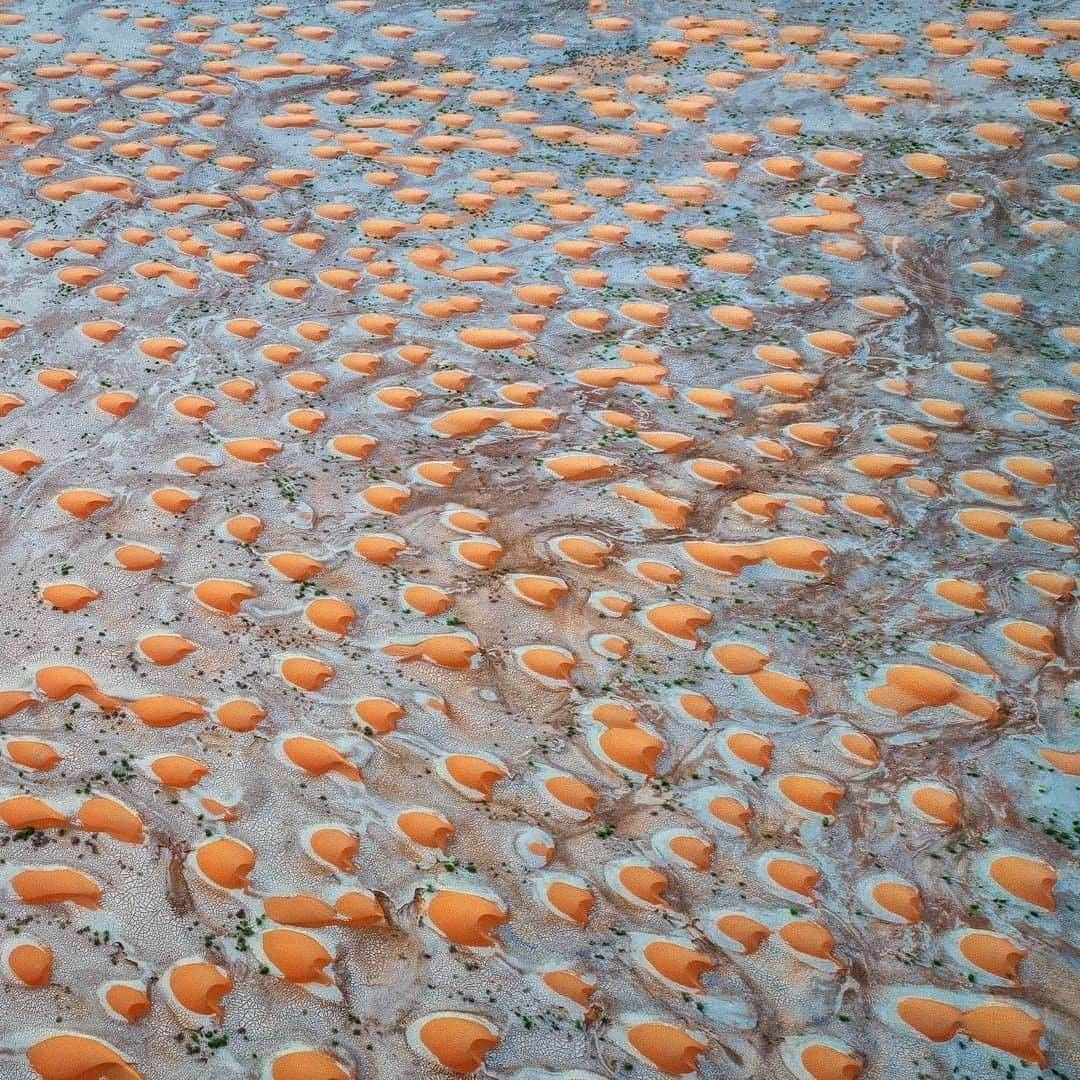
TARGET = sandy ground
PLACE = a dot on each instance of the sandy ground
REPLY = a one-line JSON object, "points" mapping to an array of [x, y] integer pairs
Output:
{"points": [[744, 533]]}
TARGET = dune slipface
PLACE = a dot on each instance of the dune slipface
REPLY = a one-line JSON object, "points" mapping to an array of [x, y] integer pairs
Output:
{"points": [[539, 540]]}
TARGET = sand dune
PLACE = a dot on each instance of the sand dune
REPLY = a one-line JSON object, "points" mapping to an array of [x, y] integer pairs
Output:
{"points": [[540, 541]]}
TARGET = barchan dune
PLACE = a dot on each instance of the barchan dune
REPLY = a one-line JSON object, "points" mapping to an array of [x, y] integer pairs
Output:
{"points": [[539, 540]]}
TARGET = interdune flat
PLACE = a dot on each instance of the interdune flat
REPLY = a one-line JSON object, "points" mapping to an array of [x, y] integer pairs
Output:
{"points": [[539, 540]]}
